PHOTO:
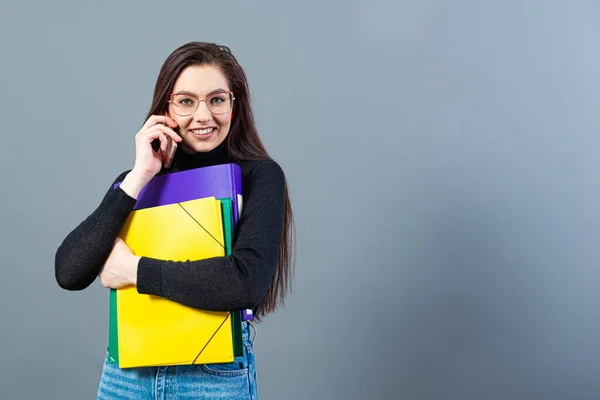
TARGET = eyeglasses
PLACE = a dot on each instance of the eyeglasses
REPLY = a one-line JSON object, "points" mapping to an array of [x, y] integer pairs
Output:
{"points": [[187, 104]]}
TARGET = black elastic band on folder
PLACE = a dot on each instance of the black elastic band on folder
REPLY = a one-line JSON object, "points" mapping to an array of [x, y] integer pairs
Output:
{"points": [[192, 217], [211, 338]]}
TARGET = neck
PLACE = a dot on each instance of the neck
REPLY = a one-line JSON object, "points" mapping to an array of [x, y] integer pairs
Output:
{"points": [[218, 155]]}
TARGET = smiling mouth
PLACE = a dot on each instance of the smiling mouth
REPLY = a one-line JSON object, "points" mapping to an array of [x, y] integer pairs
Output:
{"points": [[201, 132]]}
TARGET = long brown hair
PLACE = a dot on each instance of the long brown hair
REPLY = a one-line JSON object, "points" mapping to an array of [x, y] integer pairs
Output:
{"points": [[243, 143]]}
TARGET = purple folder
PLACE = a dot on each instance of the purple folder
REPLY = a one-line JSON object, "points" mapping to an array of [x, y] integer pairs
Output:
{"points": [[220, 181]]}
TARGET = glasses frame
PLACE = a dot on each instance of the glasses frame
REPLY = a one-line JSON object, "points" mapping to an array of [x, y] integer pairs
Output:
{"points": [[229, 92]]}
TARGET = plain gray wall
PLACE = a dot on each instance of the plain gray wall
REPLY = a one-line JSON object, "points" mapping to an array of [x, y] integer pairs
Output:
{"points": [[442, 158]]}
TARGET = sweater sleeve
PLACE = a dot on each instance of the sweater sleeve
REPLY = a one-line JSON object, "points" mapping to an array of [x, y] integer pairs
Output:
{"points": [[237, 281], [82, 253]]}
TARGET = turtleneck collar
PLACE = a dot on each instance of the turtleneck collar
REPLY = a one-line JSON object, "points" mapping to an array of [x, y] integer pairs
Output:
{"points": [[183, 161]]}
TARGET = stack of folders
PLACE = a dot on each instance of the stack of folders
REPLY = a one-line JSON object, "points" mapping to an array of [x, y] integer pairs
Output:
{"points": [[186, 215]]}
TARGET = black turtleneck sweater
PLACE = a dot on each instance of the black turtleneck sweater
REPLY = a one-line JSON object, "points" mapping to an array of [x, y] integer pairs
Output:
{"points": [[234, 282]]}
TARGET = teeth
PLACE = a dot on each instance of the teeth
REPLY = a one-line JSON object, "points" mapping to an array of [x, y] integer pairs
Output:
{"points": [[202, 131]]}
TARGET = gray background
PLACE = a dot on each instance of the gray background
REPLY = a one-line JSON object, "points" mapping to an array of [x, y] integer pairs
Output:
{"points": [[442, 160]]}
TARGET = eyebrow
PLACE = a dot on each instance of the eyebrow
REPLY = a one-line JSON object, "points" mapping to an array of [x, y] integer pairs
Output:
{"points": [[195, 95]]}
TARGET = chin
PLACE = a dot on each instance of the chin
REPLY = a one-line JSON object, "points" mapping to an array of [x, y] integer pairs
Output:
{"points": [[204, 147]]}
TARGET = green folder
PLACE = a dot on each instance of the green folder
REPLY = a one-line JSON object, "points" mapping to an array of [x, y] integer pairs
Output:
{"points": [[113, 332], [236, 318]]}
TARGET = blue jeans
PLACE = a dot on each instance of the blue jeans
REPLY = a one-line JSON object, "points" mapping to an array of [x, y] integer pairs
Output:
{"points": [[235, 380]]}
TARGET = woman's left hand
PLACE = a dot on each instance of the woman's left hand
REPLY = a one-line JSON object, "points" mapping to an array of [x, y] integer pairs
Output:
{"points": [[120, 268]]}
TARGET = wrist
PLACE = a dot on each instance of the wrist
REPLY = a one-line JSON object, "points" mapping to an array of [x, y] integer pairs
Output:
{"points": [[134, 182], [134, 269]]}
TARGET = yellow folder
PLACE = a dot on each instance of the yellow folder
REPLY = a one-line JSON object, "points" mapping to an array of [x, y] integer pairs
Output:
{"points": [[153, 330]]}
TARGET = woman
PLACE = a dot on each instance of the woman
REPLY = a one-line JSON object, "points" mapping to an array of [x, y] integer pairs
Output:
{"points": [[202, 102]]}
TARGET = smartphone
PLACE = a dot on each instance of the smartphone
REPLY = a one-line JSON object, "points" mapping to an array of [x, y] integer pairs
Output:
{"points": [[169, 153]]}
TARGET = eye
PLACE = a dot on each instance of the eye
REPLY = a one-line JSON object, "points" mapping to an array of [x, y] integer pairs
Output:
{"points": [[186, 101], [218, 98]]}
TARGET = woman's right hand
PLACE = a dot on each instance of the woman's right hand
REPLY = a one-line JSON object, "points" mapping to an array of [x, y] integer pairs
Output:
{"points": [[147, 161]]}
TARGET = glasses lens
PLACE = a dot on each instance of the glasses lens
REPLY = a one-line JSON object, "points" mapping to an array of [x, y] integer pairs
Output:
{"points": [[184, 104], [219, 103]]}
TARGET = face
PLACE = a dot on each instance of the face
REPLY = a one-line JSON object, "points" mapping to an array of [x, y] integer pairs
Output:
{"points": [[203, 130]]}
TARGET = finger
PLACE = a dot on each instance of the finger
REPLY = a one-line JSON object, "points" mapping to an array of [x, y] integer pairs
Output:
{"points": [[170, 132], [158, 119], [155, 133], [165, 130], [163, 141]]}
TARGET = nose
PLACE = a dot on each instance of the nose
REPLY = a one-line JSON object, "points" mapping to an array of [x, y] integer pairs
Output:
{"points": [[202, 114]]}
